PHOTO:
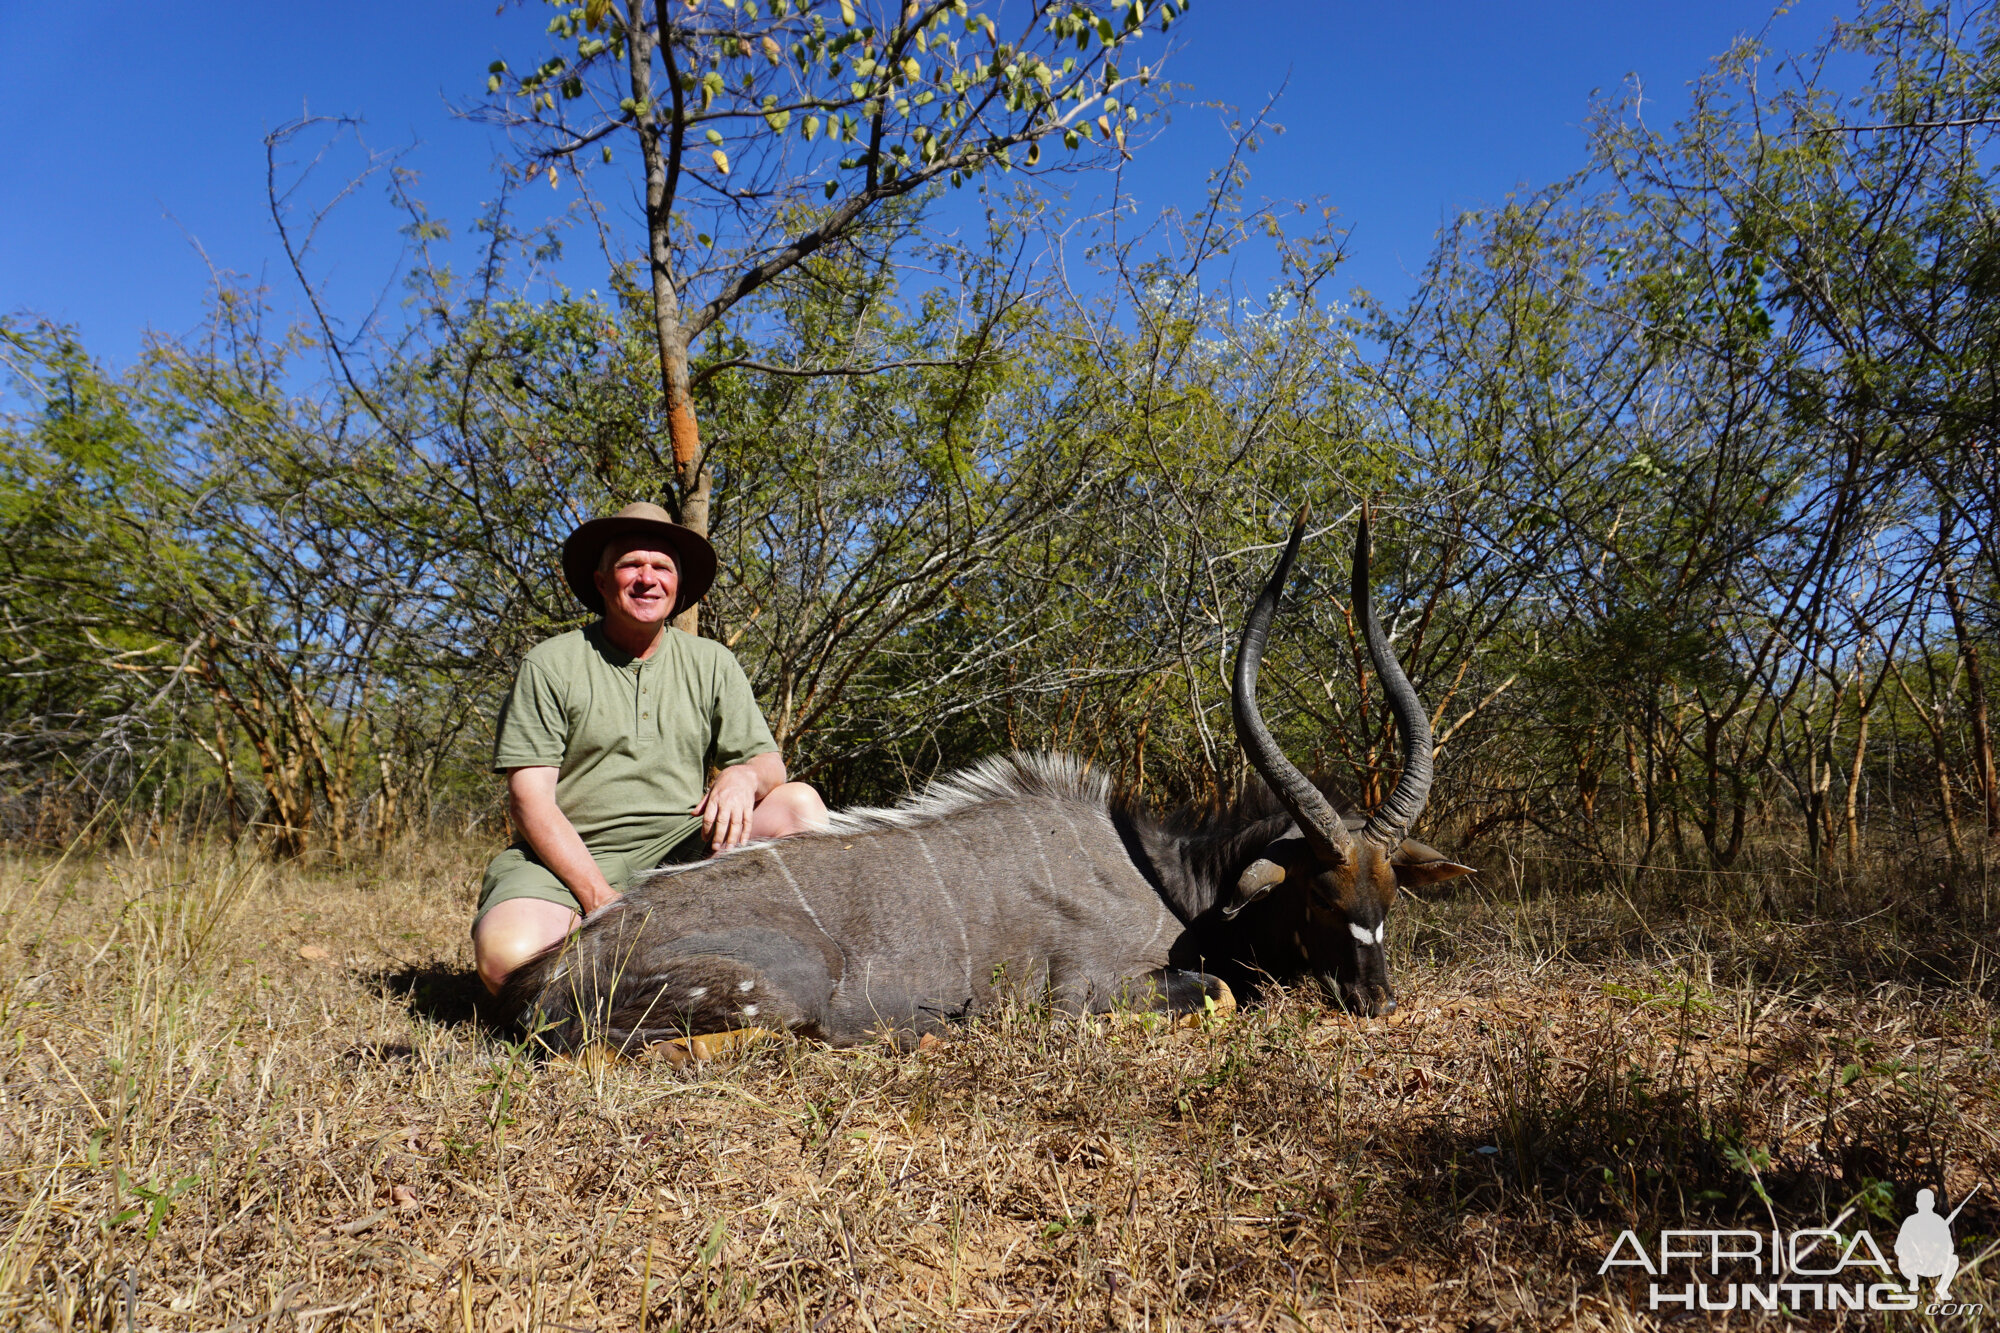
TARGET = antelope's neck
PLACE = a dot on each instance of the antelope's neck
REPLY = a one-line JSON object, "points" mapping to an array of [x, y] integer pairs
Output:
{"points": [[1193, 870]]}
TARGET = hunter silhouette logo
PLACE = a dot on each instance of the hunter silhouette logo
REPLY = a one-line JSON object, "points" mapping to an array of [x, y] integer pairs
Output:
{"points": [[1923, 1246], [1812, 1269]]}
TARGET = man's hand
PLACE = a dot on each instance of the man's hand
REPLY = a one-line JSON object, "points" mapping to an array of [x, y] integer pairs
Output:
{"points": [[725, 811]]}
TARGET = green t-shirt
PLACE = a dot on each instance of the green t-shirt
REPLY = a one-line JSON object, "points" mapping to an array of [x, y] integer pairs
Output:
{"points": [[633, 740]]}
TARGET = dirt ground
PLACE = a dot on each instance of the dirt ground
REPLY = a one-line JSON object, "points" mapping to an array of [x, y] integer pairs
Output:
{"points": [[240, 1097]]}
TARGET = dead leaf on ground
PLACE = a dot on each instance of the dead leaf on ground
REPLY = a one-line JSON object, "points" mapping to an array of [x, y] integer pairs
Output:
{"points": [[312, 953]]}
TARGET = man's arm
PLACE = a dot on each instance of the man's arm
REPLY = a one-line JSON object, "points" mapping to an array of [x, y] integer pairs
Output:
{"points": [[531, 800], [725, 810]]}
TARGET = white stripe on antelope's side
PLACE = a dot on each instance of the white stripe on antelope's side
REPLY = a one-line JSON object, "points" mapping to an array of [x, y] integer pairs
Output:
{"points": [[944, 889], [1160, 918], [800, 894], [1076, 837], [1028, 822]]}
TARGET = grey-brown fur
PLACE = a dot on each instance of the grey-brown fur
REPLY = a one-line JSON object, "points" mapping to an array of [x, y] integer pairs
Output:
{"points": [[1021, 876], [1011, 877]]}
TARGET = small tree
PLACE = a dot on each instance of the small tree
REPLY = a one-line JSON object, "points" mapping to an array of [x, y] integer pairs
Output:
{"points": [[769, 130]]}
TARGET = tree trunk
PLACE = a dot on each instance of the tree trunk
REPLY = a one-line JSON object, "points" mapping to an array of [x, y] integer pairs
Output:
{"points": [[1854, 771], [1829, 760], [281, 758], [1982, 735], [1941, 758], [386, 804], [1819, 779], [1642, 790], [692, 481], [228, 764], [291, 804]]}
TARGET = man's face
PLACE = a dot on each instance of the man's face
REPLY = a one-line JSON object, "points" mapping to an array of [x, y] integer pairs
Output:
{"points": [[640, 585]]}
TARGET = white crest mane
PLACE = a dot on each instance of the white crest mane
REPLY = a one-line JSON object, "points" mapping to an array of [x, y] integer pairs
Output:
{"points": [[999, 778]]}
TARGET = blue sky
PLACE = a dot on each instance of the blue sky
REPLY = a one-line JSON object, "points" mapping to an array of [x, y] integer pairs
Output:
{"points": [[137, 160]]}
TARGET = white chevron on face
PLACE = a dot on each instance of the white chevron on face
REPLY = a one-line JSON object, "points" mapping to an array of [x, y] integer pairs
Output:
{"points": [[1367, 936]]}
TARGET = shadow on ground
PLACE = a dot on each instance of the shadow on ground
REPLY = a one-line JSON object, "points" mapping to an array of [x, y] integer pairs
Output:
{"points": [[448, 996]]}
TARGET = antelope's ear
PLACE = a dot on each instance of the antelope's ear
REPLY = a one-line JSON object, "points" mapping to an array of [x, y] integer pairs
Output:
{"points": [[1281, 858], [1416, 865], [1258, 878]]}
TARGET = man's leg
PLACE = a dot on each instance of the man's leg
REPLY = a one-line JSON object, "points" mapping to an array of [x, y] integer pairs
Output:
{"points": [[792, 807], [513, 931]]}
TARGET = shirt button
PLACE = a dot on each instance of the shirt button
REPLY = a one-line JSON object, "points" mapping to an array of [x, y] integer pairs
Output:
{"points": [[644, 716]]}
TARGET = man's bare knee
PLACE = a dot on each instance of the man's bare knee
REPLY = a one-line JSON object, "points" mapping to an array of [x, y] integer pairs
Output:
{"points": [[791, 808], [807, 810], [514, 931]]}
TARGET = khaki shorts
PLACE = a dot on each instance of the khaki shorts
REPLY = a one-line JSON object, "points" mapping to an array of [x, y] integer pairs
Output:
{"points": [[519, 873]]}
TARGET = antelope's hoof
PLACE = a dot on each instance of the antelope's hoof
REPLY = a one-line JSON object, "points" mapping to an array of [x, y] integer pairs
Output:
{"points": [[713, 1045], [1219, 1002], [588, 1060]]}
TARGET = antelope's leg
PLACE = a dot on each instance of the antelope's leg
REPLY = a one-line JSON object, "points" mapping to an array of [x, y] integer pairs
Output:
{"points": [[711, 1044], [678, 1047], [1187, 996]]}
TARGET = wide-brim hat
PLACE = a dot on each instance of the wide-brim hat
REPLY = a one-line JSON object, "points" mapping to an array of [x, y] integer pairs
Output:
{"points": [[692, 554]]}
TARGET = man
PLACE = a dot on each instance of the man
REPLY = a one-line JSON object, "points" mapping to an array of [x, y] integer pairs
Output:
{"points": [[1924, 1247], [607, 738]]}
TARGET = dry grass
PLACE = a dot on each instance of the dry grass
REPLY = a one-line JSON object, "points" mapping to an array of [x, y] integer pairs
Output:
{"points": [[243, 1098]]}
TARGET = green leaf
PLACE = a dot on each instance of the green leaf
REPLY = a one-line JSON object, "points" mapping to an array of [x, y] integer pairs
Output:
{"points": [[810, 128]]}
